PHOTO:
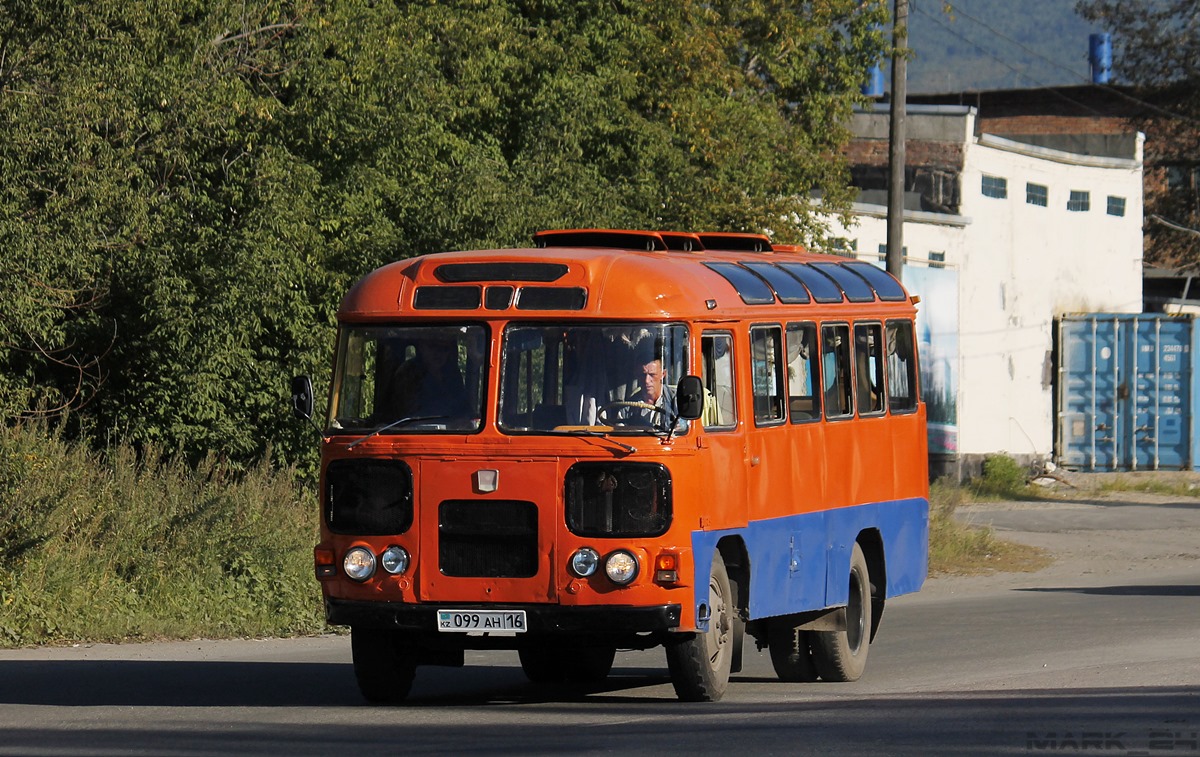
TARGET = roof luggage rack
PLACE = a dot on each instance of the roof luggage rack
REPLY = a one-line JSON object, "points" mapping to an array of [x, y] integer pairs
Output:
{"points": [[611, 238], [732, 241]]}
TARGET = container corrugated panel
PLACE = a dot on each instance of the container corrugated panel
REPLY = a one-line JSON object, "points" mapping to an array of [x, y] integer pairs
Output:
{"points": [[1125, 392]]}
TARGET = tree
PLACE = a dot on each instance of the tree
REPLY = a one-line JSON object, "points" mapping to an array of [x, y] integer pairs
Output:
{"points": [[190, 185], [1157, 50]]}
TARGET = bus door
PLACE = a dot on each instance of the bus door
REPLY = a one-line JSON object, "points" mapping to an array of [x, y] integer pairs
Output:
{"points": [[768, 444], [908, 422], [727, 451], [837, 383]]}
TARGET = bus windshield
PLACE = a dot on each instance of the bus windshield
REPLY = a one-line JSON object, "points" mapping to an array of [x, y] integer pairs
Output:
{"points": [[404, 379], [564, 377]]}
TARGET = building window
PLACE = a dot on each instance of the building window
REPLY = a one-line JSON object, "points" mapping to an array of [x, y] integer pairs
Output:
{"points": [[995, 186], [937, 259], [844, 247], [1116, 206], [1037, 194], [1183, 177], [1080, 201]]}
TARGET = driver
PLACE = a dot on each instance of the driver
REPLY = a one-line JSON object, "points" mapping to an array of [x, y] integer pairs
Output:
{"points": [[430, 384], [654, 394]]}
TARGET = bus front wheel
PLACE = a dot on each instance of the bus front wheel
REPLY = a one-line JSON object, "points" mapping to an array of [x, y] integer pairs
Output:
{"points": [[700, 662], [842, 655], [382, 666]]}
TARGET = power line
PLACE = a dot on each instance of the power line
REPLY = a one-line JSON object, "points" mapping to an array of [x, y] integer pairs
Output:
{"points": [[1052, 88], [1002, 62], [960, 12]]}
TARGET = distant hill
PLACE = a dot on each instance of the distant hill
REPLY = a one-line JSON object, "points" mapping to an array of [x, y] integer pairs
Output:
{"points": [[996, 44]]}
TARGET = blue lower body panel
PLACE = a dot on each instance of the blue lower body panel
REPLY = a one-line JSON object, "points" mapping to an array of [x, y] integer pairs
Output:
{"points": [[802, 562]]}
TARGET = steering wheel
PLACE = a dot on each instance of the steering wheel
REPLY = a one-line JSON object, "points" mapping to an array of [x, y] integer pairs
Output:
{"points": [[602, 412]]}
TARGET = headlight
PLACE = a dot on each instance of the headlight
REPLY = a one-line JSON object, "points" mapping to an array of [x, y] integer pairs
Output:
{"points": [[394, 560], [359, 564], [584, 562], [621, 567]]}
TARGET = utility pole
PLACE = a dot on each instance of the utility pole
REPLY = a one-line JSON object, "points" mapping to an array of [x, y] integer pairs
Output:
{"points": [[896, 132]]}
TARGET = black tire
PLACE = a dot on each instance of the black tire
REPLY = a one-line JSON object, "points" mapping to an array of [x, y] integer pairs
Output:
{"points": [[842, 655], [555, 664], [542, 664], [791, 655], [700, 662], [383, 667], [590, 664]]}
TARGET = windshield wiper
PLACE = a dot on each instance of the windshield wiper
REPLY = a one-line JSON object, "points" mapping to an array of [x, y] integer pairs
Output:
{"points": [[394, 424], [590, 432]]}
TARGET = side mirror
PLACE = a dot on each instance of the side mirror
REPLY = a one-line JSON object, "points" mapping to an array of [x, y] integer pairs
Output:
{"points": [[302, 397], [689, 397]]}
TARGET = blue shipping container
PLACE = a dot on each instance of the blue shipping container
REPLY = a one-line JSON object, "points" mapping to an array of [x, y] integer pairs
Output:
{"points": [[1125, 392]]}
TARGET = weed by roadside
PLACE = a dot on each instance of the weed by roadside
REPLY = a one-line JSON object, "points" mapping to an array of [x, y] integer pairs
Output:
{"points": [[956, 548], [124, 544]]}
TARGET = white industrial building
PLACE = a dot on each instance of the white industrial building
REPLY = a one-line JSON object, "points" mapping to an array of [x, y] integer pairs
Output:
{"points": [[1012, 236]]}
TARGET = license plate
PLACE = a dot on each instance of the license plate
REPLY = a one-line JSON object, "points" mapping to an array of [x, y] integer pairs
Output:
{"points": [[471, 621]]}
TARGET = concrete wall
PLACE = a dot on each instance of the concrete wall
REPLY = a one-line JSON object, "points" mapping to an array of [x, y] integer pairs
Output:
{"points": [[1019, 266]]}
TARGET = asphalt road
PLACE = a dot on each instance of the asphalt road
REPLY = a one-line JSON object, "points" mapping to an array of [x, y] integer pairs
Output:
{"points": [[1097, 654]]}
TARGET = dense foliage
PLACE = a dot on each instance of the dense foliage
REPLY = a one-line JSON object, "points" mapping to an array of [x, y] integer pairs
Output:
{"points": [[188, 186]]}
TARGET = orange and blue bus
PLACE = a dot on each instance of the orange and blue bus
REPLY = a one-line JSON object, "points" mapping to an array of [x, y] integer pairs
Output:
{"points": [[621, 440]]}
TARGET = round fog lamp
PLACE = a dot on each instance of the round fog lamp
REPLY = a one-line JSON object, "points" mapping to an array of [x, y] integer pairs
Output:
{"points": [[584, 562], [621, 567], [394, 560], [359, 564]]}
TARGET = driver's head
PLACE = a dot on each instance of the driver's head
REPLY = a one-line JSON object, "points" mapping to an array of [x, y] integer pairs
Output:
{"points": [[436, 351], [650, 374]]}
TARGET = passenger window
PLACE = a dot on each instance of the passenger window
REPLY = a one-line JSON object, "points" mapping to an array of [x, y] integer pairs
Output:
{"points": [[835, 370], [868, 367], [803, 372], [902, 367], [766, 370], [717, 373]]}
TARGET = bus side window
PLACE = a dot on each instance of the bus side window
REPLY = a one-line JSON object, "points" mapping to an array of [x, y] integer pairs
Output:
{"points": [[717, 373], [766, 363], [902, 367], [868, 367], [835, 368], [803, 372]]}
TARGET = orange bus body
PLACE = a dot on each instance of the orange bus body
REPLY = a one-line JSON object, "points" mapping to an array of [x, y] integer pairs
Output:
{"points": [[784, 501]]}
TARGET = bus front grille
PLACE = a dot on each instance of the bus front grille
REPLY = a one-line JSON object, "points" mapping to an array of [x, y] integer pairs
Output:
{"points": [[487, 539]]}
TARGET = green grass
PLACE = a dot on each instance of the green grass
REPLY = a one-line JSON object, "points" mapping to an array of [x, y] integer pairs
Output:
{"points": [[122, 545]]}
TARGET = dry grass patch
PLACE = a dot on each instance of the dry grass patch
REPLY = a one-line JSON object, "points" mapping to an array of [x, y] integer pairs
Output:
{"points": [[956, 548]]}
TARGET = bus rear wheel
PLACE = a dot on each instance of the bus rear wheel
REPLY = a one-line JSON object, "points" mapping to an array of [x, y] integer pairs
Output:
{"points": [[700, 662], [383, 667], [791, 655], [842, 655]]}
